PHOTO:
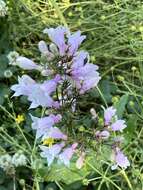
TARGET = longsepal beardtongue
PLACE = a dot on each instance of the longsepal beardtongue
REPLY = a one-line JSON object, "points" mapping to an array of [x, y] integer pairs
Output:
{"points": [[66, 74]]}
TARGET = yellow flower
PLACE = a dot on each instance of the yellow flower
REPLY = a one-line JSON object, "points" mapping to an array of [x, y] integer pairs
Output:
{"points": [[48, 141], [19, 119]]}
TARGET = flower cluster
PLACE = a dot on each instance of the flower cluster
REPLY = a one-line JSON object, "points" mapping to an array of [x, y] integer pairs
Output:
{"points": [[68, 74], [68, 70], [111, 125]]}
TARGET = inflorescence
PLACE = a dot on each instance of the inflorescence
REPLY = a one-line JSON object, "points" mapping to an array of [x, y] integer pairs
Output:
{"points": [[68, 73]]}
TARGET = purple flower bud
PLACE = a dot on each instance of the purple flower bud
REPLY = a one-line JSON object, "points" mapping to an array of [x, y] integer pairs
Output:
{"points": [[43, 47], [102, 134], [46, 72], [27, 64], [80, 161]]}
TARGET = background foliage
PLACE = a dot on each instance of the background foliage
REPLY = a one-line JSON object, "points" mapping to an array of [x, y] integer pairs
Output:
{"points": [[114, 30]]}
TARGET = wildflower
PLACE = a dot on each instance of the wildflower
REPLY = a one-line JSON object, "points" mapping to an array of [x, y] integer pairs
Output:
{"points": [[24, 86], [43, 125], [53, 48], [74, 41], [19, 119], [119, 125], [120, 159], [43, 48], [54, 133], [109, 114], [57, 36], [38, 94], [50, 153], [67, 154], [80, 161], [3, 8], [83, 73], [102, 134]]}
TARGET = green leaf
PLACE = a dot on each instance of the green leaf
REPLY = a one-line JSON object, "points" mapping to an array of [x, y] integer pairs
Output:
{"points": [[107, 89], [131, 127], [120, 106]]}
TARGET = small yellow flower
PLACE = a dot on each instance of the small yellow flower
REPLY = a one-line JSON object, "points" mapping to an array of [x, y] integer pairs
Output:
{"points": [[48, 141], [19, 119]]}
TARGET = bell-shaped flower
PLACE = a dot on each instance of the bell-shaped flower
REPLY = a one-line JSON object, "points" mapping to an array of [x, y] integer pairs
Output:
{"points": [[67, 154], [74, 41], [109, 113], [80, 59], [24, 86], [120, 159], [54, 133], [57, 36], [50, 153], [118, 125], [44, 124], [86, 77], [49, 86]]}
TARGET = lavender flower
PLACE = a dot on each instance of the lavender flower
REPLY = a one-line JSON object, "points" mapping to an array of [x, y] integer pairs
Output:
{"points": [[67, 154], [50, 153], [102, 134], [54, 133], [119, 125], [74, 41], [38, 94], [84, 74], [24, 86], [43, 125], [57, 35], [120, 159], [109, 114]]}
